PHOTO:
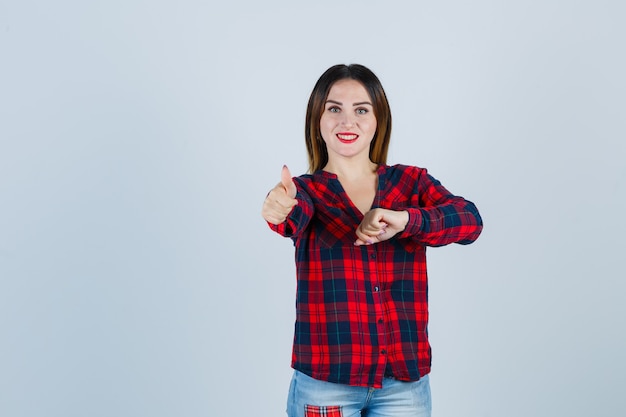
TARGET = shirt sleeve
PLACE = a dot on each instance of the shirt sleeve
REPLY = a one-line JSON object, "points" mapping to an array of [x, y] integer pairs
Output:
{"points": [[300, 215], [441, 218]]}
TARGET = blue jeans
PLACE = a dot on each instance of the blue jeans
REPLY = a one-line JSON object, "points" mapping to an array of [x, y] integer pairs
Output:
{"points": [[309, 397]]}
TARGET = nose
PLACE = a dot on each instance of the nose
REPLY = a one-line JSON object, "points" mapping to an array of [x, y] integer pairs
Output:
{"points": [[347, 120]]}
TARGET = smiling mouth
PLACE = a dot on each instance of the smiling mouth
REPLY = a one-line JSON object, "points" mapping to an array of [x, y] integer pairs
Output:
{"points": [[347, 137]]}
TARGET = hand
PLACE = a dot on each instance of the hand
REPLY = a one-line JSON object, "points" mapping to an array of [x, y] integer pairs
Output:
{"points": [[379, 225], [281, 200]]}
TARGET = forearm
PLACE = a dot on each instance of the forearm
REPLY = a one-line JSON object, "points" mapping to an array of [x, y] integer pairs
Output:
{"points": [[455, 222]]}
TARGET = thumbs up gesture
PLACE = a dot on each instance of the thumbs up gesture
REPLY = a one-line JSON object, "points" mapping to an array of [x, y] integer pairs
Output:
{"points": [[281, 200]]}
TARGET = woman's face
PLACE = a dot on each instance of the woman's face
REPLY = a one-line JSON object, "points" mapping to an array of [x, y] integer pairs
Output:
{"points": [[348, 123]]}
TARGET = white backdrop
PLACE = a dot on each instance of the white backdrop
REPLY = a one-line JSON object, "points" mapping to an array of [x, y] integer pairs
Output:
{"points": [[139, 138]]}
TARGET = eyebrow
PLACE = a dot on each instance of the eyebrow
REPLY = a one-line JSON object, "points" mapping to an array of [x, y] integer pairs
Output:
{"points": [[354, 104]]}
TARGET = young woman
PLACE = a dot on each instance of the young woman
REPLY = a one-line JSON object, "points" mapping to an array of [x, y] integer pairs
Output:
{"points": [[361, 228]]}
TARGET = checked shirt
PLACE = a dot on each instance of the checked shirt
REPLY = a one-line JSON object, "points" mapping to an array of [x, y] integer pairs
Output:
{"points": [[363, 309]]}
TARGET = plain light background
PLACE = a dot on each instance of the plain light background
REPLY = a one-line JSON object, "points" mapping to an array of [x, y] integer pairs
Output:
{"points": [[139, 138]]}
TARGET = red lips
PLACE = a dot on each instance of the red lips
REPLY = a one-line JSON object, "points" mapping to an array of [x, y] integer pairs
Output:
{"points": [[347, 137]]}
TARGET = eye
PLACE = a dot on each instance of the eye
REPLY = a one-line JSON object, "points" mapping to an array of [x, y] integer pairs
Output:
{"points": [[362, 111], [334, 109]]}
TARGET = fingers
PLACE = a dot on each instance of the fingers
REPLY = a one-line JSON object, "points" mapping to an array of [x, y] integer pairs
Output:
{"points": [[372, 229], [368, 234], [280, 200], [380, 224], [287, 182], [278, 205]]}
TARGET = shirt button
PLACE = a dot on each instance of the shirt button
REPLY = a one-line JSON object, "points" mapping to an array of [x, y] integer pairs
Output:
{"points": [[372, 256], [380, 321], [384, 351], [376, 289]]}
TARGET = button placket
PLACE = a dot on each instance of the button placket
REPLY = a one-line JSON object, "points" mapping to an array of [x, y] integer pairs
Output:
{"points": [[378, 301]]}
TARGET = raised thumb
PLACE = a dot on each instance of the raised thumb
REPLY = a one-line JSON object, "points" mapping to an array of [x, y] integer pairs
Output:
{"points": [[287, 181]]}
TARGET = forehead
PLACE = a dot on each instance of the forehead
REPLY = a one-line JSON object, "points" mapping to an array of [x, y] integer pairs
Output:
{"points": [[348, 88]]}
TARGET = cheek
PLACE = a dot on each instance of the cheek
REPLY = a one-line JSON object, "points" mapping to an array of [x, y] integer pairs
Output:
{"points": [[326, 124], [371, 125]]}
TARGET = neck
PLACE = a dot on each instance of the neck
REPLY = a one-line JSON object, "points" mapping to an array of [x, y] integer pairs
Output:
{"points": [[350, 169]]}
